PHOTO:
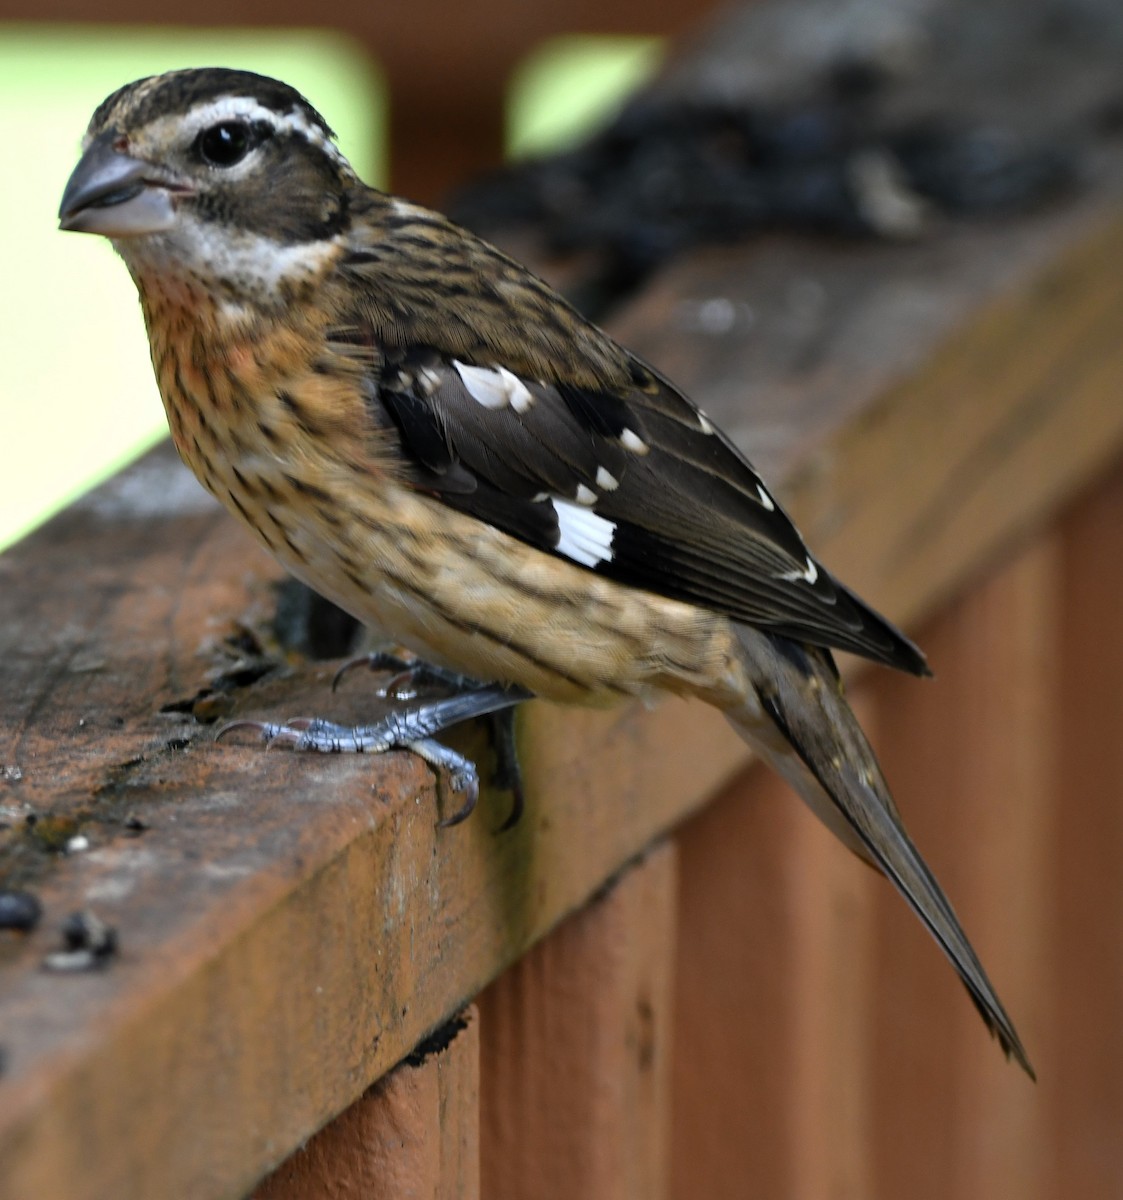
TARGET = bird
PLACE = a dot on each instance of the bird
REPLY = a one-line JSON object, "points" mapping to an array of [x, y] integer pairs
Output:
{"points": [[425, 432]]}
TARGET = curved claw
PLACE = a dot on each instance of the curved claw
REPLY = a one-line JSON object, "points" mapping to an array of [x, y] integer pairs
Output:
{"points": [[292, 734], [518, 804], [467, 781], [266, 729], [508, 773], [377, 660], [397, 687]]}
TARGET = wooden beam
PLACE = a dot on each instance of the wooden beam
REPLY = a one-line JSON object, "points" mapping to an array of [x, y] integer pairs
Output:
{"points": [[919, 442], [303, 911]]}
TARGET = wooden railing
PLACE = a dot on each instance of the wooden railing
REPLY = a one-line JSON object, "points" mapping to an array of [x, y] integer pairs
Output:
{"points": [[668, 980]]}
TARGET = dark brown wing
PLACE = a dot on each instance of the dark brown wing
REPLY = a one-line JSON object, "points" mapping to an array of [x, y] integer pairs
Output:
{"points": [[543, 427]]}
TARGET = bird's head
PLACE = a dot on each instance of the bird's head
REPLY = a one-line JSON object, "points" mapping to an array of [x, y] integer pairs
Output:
{"points": [[224, 177]]}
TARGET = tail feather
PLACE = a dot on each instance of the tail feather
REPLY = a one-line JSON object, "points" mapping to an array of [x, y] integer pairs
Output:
{"points": [[809, 734]]}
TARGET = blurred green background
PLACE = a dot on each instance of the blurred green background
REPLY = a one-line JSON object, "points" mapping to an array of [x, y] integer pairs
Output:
{"points": [[77, 397]]}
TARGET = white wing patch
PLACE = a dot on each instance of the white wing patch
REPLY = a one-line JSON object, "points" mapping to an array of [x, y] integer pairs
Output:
{"points": [[765, 498], [521, 399], [494, 387], [485, 386], [429, 380], [583, 535], [808, 576], [606, 481], [632, 441]]}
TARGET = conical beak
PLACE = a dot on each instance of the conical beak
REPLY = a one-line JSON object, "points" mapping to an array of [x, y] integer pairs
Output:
{"points": [[115, 195]]}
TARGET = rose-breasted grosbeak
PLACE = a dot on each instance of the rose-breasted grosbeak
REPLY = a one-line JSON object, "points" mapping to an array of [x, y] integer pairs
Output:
{"points": [[425, 432]]}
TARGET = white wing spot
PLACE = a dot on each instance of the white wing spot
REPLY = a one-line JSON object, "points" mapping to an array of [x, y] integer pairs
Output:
{"points": [[631, 440], [765, 498], [484, 385], [583, 536], [494, 387], [809, 575], [428, 380], [606, 481], [517, 391], [585, 496], [704, 423]]}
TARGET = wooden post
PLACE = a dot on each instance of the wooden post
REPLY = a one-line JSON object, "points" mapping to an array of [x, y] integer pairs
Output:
{"points": [[575, 1051]]}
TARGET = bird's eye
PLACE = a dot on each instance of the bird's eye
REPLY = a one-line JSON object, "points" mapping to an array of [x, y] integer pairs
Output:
{"points": [[226, 144]]}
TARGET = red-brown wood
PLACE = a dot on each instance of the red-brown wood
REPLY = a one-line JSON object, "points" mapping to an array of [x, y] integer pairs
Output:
{"points": [[575, 1051], [413, 1136], [771, 1027], [973, 756], [1084, 1083]]}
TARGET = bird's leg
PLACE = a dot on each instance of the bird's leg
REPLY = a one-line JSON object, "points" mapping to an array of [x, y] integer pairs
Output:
{"points": [[410, 673], [409, 729]]}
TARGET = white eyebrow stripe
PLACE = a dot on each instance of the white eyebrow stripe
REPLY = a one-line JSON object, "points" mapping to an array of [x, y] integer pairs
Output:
{"points": [[583, 535], [246, 108]]}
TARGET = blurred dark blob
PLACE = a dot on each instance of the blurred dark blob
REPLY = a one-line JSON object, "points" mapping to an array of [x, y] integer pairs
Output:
{"points": [[667, 175]]}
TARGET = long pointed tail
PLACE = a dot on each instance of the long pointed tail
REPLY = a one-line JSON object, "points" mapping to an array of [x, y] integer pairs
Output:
{"points": [[808, 733]]}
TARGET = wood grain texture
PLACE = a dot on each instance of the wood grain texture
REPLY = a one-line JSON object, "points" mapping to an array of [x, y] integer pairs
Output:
{"points": [[772, 1038], [413, 1136], [974, 762], [1085, 1101], [576, 1050]]}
